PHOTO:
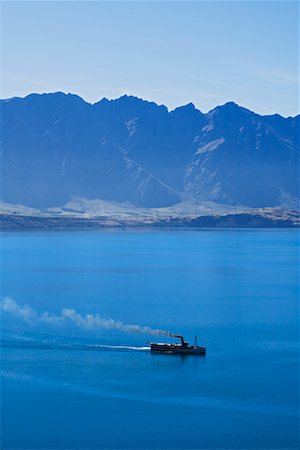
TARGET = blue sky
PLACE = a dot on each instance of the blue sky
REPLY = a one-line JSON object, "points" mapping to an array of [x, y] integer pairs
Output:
{"points": [[205, 52]]}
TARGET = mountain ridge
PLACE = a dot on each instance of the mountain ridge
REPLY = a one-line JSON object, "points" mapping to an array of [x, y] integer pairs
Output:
{"points": [[56, 146], [126, 96]]}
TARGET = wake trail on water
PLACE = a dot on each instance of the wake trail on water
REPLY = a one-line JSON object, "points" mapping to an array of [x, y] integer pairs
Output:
{"points": [[71, 316], [52, 345]]}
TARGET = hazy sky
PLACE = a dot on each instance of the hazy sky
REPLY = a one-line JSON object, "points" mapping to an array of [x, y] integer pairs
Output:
{"points": [[205, 52]]}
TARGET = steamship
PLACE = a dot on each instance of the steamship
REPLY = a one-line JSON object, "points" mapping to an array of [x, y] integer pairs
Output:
{"points": [[182, 348]]}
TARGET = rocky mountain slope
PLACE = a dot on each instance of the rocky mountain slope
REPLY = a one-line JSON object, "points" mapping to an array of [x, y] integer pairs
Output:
{"points": [[57, 146]]}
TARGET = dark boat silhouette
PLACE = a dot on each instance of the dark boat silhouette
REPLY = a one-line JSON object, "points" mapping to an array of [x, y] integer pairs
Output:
{"points": [[182, 349]]}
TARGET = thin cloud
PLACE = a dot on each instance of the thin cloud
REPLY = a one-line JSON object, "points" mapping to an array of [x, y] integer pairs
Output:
{"points": [[279, 77], [275, 75], [218, 83]]}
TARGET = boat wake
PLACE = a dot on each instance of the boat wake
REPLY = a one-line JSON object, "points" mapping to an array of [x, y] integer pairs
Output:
{"points": [[123, 347], [26, 342]]}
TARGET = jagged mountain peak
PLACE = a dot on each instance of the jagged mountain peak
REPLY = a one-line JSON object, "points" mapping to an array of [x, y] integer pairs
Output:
{"points": [[230, 109], [56, 145], [54, 97], [188, 107], [130, 102], [187, 112]]}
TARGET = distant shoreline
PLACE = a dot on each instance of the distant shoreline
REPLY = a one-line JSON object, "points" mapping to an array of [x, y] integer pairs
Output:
{"points": [[9, 222]]}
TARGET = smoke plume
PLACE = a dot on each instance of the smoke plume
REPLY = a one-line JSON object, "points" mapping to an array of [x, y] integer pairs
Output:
{"points": [[69, 315]]}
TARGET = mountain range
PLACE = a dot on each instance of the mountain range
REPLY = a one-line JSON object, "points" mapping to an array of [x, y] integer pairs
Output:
{"points": [[57, 146]]}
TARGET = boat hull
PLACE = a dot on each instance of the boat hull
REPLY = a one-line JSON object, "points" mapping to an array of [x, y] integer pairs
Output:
{"points": [[177, 349]]}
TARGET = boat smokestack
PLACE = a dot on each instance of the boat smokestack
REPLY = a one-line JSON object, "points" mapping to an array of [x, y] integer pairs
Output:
{"points": [[181, 338]]}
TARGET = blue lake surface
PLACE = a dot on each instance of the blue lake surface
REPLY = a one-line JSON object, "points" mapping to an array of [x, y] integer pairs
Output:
{"points": [[64, 387]]}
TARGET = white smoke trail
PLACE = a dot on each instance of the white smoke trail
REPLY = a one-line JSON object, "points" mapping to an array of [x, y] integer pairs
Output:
{"points": [[69, 315]]}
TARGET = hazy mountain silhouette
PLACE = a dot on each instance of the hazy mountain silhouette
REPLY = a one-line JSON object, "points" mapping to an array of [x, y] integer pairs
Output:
{"points": [[55, 146]]}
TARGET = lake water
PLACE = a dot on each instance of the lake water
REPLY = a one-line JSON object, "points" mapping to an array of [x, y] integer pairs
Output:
{"points": [[66, 387]]}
